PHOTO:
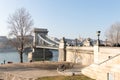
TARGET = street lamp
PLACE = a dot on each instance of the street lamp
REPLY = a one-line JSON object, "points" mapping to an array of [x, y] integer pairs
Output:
{"points": [[98, 40]]}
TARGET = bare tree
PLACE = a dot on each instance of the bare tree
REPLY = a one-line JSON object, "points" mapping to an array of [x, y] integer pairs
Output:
{"points": [[113, 34], [20, 24]]}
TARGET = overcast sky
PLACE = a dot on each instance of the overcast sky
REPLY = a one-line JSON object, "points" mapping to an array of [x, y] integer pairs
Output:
{"points": [[65, 18]]}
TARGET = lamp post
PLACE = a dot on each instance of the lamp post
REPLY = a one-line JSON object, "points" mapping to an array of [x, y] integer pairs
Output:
{"points": [[98, 40], [106, 43], [96, 49]]}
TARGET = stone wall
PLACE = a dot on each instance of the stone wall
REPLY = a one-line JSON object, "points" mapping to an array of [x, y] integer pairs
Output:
{"points": [[82, 55], [107, 52]]}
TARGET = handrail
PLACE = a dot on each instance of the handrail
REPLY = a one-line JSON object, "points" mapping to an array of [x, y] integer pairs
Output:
{"points": [[45, 40], [53, 40], [48, 47], [108, 59]]}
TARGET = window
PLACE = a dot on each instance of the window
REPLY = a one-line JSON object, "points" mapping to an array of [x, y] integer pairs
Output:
{"points": [[110, 76]]}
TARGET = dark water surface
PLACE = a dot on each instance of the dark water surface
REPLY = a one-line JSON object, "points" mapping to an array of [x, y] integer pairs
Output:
{"points": [[14, 57]]}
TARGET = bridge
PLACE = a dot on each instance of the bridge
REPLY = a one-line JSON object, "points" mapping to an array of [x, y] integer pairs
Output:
{"points": [[42, 40], [42, 44]]}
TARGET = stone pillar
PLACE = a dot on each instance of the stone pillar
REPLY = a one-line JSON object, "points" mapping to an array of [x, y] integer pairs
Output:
{"points": [[30, 56], [62, 50], [35, 39], [96, 54]]}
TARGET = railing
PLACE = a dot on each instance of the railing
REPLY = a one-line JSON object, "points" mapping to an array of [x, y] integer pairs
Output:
{"points": [[51, 41], [57, 42], [47, 40], [48, 47], [109, 59]]}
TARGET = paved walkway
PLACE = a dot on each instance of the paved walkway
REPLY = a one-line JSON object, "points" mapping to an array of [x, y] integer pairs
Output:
{"points": [[34, 73], [33, 70]]}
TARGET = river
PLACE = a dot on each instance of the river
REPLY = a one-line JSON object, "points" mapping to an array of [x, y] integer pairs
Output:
{"points": [[14, 57]]}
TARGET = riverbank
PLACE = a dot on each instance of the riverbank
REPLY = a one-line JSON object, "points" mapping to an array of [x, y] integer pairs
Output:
{"points": [[30, 71]]}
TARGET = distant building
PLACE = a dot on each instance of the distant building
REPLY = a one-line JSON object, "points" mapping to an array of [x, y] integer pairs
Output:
{"points": [[87, 42]]}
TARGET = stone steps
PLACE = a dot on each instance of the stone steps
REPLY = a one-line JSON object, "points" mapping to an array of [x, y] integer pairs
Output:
{"points": [[90, 71], [101, 77]]}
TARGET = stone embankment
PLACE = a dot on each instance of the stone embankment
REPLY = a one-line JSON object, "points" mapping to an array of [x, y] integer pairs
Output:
{"points": [[30, 71]]}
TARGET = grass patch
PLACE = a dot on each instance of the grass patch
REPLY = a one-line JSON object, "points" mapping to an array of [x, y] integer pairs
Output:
{"points": [[79, 77]]}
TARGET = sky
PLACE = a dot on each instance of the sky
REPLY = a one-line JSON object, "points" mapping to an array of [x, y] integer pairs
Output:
{"points": [[65, 18]]}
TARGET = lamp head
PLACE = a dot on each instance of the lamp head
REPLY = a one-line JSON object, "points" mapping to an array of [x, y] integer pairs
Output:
{"points": [[98, 33]]}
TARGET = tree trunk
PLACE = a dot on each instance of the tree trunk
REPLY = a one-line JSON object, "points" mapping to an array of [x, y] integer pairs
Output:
{"points": [[21, 57]]}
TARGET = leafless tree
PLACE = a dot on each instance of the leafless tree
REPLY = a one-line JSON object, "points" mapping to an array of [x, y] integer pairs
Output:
{"points": [[113, 34], [20, 24]]}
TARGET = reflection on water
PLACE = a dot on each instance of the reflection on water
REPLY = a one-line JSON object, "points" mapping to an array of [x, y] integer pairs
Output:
{"points": [[14, 56], [55, 55]]}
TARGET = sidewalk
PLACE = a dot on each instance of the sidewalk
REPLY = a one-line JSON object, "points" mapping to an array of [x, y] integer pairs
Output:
{"points": [[34, 70], [29, 70]]}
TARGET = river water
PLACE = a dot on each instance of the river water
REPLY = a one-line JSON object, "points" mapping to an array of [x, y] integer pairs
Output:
{"points": [[14, 57]]}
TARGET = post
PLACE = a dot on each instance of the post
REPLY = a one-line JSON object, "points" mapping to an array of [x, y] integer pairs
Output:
{"points": [[30, 56], [96, 54], [96, 49], [75, 54], [62, 50]]}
